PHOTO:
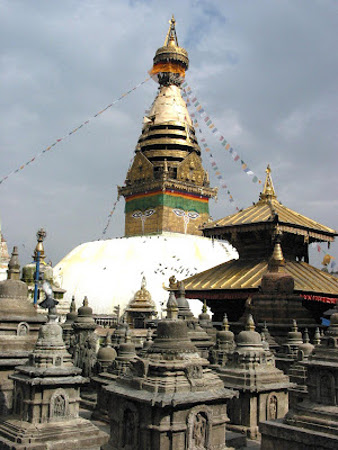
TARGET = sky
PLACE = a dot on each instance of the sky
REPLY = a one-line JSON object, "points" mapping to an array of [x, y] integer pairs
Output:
{"points": [[265, 71]]}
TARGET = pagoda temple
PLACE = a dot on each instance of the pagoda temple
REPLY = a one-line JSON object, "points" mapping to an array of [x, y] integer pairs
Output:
{"points": [[167, 188], [254, 232]]}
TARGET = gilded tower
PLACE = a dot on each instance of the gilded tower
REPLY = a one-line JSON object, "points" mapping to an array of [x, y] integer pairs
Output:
{"points": [[167, 188]]}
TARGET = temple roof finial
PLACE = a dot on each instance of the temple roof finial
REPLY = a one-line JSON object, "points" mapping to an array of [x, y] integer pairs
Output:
{"points": [[268, 190], [171, 38]]}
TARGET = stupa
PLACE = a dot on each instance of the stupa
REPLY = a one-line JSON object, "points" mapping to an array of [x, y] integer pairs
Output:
{"points": [[169, 398], [47, 399], [166, 192], [19, 327], [263, 389], [311, 424]]}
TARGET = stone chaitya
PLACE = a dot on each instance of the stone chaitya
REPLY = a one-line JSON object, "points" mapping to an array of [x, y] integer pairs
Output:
{"points": [[263, 389], [84, 341], [46, 399], [298, 371], [312, 424], [117, 366], [225, 344], [198, 335], [19, 327], [169, 398], [67, 326], [288, 352]]}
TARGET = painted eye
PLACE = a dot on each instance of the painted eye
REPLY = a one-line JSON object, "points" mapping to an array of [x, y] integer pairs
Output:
{"points": [[137, 214], [179, 212], [193, 215], [149, 212]]}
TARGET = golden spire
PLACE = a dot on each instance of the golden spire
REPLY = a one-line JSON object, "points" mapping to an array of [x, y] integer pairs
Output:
{"points": [[171, 38], [268, 190], [277, 259]]}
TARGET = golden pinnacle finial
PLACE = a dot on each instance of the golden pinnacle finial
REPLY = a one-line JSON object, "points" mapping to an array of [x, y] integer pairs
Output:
{"points": [[277, 253], [277, 260], [268, 190], [171, 38], [204, 307]]}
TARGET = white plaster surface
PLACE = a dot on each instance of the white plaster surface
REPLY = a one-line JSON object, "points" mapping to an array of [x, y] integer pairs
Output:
{"points": [[110, 272]]}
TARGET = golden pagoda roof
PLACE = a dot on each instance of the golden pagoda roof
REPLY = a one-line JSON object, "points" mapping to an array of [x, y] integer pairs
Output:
{"points": [[240, 274], [269, 210]]}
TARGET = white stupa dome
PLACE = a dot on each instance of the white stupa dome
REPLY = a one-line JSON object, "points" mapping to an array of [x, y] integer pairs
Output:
{"points": [[110, 272]]}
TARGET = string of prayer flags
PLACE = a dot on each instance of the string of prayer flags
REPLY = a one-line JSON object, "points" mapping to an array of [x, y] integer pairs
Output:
{"points": [[214, 165], [47, 149], [187, 91], [110, 215]]}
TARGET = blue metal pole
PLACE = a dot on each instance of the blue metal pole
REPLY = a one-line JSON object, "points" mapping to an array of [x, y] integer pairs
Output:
{"points": [[37, 270]]}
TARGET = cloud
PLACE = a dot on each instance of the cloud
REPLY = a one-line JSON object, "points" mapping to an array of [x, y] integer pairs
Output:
{"points": [[266, 72]]}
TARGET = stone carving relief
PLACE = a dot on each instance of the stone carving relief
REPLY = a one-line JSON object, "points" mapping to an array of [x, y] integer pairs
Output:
{"points": [[23, 329], [199, 434], [83, 349], [199, 428], [59, 405], [272, 408]]}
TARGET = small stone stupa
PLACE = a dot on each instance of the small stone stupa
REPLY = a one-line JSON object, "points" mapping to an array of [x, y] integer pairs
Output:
{"points": [[169, 398], [263, 389], [46, 398], [225, 344], [288, 352], [19, 327], [141, 308], [312, 424], [84, 342], [199, 337]]}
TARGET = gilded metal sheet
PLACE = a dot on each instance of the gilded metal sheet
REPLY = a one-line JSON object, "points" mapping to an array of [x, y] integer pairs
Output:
{"points": [[237, 275], [264, 211]]}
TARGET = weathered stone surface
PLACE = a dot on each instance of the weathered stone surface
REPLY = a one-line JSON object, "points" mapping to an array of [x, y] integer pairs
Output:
{"points": [[168, 398], [263, 389], [19, 326], [46, 400], [312, 423]]}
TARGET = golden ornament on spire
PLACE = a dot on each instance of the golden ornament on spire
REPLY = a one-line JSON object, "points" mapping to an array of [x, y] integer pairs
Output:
{"points": [[268, 190], [171, 58]]}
